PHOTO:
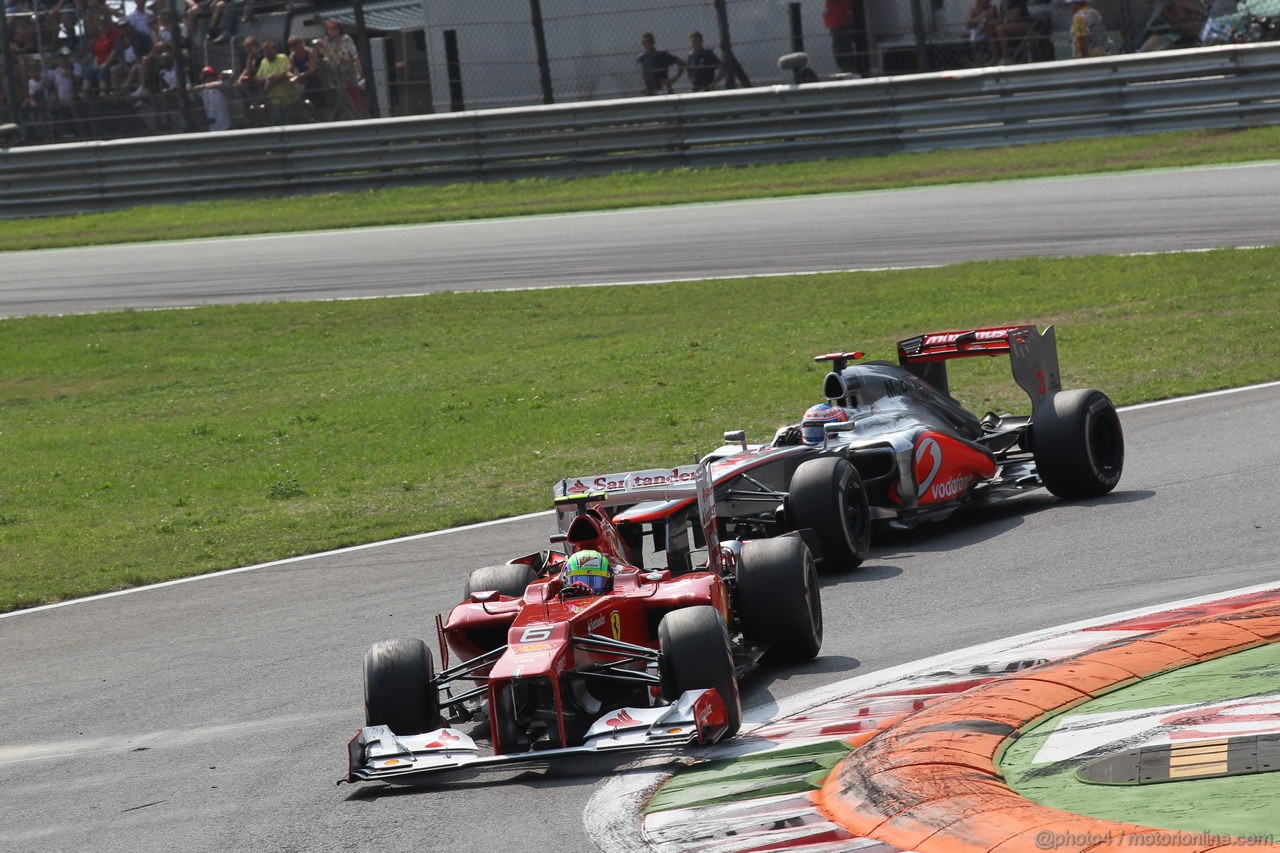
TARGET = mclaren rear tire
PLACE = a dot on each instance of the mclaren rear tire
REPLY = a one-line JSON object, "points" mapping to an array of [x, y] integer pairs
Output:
{"points": [[779, 601], [1078, 444], [399, 688], [827, 495], [509, 579], [696, 655]]}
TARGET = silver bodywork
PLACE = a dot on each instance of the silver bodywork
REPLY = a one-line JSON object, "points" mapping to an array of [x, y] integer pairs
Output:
{"points": [[889, 407]]}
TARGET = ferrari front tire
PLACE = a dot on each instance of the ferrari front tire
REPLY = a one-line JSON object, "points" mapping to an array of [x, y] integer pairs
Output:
{"points": [[399, 688], [779, 601], [696, 655]]}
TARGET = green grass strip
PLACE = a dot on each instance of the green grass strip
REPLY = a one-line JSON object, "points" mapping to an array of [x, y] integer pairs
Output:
{"points": [[543, 196], [145, 446]]}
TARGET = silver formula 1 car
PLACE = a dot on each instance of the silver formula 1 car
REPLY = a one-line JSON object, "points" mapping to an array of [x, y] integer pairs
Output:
{"points": [[893, 446]]}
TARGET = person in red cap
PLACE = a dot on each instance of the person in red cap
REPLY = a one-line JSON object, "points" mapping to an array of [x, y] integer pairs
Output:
{"points": [[213, 97]]}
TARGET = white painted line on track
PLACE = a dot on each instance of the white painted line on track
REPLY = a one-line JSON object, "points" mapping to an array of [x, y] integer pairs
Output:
{"points": [[483, 524], [730, 276], [799, 197], [637, 283], [286, 561], [1205, 396]]}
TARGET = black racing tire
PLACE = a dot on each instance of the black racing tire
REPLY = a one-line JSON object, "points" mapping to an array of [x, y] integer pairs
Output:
{"points": [[1078, 444], [696, 655], [399, 687], [509, 579], [779, 601], [827, 496]]}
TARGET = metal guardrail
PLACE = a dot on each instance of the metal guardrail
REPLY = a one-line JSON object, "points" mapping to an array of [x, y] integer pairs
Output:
{"points": [[1225, 87]]}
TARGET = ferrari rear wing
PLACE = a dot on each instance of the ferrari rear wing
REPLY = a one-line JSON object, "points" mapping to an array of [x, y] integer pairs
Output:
{"points": [[1032, 354], [629, 488]]}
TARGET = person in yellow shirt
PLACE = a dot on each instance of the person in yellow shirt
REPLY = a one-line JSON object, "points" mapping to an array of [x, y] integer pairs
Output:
{"points": [[276, 77]]}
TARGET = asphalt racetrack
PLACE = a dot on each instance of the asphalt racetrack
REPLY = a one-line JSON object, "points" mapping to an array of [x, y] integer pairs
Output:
{"points": [[213, 715], [1202, 208]]}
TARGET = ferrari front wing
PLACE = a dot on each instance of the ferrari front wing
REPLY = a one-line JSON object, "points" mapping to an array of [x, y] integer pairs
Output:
{"points": [[378, 754]]}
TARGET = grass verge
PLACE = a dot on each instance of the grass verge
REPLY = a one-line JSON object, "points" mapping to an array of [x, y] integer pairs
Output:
{"points": [[143, 446], [542, 196]]}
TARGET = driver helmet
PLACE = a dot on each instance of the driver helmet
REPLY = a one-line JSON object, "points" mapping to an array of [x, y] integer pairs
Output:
{"points": [[590, 568], [815, 419]]}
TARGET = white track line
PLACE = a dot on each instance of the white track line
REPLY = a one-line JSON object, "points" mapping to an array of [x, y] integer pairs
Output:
{"points": [[283, 562], [1139, 406]]}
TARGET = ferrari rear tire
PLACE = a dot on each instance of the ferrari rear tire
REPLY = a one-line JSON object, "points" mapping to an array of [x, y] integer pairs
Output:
{"points": [[827, 496], [696, 655], [1078, 444], [779, 601], [509, 579], [399, 689]]}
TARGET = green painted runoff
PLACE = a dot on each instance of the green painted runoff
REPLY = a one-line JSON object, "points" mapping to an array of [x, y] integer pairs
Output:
{"points": [[1236, 805]]}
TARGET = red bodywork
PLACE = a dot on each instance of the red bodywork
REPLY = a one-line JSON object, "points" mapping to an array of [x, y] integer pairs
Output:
{"points": [[538, 628], [945, 468], [943, 346]]}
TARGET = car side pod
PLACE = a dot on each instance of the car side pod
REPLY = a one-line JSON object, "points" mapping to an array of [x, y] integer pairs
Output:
{"points": [[377, 754]]}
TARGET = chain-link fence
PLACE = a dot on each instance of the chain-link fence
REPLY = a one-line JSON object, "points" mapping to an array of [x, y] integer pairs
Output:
{"points": [[523, 52], [80, 69], [564, 50]]}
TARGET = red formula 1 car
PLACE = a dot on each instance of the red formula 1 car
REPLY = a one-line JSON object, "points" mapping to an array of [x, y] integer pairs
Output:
{"points": [[544, 671], [894, 446]]}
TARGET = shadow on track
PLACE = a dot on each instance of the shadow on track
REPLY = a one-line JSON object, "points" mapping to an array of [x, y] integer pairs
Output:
{"points": [[974, 525]]}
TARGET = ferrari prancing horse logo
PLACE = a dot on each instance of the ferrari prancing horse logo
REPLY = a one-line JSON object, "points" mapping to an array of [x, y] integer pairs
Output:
{"points": [[615, 624]]}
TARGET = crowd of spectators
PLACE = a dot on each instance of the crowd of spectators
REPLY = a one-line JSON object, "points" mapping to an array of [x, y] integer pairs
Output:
{"points": [[90, 69], [998, 30], [83, 69]]}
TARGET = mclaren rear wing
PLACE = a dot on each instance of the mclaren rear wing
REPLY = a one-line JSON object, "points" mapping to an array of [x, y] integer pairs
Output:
{"points": [[1033, 356]]}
